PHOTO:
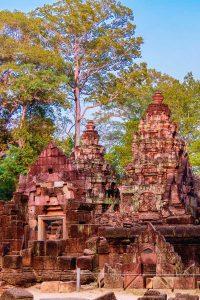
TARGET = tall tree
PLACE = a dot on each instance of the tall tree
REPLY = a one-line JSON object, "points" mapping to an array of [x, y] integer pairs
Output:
{"points": [[95, 38], [32, 84], [29, 75], [5, 135]]}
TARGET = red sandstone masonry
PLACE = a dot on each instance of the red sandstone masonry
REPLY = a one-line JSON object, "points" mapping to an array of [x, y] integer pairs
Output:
{"points": [[159, 183], [61, 216]]}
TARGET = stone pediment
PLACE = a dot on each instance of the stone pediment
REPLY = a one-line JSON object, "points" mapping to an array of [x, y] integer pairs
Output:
{"points": [[151, 247], [51, 160]]}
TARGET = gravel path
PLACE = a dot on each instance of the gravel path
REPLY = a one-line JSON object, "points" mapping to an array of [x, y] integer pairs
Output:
{"points": [[91, 292]]}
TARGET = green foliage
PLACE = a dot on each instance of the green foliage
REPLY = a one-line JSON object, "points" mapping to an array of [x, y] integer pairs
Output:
{"points": [[99, 33], [29, 73], [36, 133], [15, 162], [32, 84], [132, 91], [19, 41], [66, 145], [120, 155], [95, 38]]}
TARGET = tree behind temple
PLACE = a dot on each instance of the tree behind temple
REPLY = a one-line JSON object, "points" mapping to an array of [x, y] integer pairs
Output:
{"points": [[29, 75], [31, 86], [95, 38]]}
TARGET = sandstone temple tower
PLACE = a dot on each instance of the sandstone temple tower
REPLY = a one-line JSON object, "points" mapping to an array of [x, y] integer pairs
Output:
{"points": [[159, 183]]}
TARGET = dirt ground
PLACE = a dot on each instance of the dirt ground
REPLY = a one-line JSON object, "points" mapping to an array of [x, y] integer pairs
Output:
{"points": [[89, 292]]}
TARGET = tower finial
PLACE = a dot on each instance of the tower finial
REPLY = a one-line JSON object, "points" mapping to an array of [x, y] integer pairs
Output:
{"points": [[158, 97], [90, 125]]}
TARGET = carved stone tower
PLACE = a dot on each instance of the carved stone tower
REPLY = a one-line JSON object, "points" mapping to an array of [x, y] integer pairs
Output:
{"points": [[159, 184], [92, 167]]}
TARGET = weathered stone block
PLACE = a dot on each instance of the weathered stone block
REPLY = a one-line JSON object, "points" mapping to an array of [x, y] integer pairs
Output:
{"points": [[162, 282], [80, 244], [133, 281], [50, 263], [107, 296], [50, 275], [38, 262], [17, 277], [180, 296], [71, 246], [103, 259], [103, 248], [67, 287], [113, 281], [12, 262], [50, 287], [85, 262], [89, 252], [66, 263], [184, 282], [26, 257], [38, 248], [15, 245], [153, 295], [16, 293], [53, 248]]}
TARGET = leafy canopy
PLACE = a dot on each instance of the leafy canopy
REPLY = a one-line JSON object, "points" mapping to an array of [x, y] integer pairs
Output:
{"points": [[95, 38], [32, 85]]}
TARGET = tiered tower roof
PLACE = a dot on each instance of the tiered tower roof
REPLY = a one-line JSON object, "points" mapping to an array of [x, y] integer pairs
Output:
{"points": [[159, 182]]}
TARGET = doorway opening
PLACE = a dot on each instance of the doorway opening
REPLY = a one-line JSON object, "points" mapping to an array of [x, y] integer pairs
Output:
{"points": [[148, 272], [52, 228]]}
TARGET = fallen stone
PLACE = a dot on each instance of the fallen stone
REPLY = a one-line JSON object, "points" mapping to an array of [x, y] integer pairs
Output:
{"points": [[67, 287], [16, 293], [22, 278], [179, 296], [153, 295], [50, 286], [107, 296]]}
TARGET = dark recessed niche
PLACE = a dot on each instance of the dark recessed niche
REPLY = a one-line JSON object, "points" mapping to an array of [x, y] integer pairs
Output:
{"points": [[50, 170]]}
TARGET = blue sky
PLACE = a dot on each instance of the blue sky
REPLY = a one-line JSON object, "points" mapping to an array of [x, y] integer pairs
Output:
{"points": [[170, 28]]}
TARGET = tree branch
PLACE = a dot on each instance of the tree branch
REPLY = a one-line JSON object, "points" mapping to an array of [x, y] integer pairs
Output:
{"points": [[68, 132], [87, 108]]}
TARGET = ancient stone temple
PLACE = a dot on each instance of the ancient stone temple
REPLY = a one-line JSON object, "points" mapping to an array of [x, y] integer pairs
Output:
{"points": [[67, 213], [159, 186], [159, 203], [46, 225]]}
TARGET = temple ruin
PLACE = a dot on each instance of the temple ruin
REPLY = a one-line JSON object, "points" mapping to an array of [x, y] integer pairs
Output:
{"points": [[68, 212]]}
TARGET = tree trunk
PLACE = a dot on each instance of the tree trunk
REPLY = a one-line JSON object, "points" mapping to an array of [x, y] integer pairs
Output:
{"points": [[77, 117], [77, 96], [23, 117]]}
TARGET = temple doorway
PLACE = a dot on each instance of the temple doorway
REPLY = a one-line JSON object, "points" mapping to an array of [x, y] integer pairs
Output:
{"points": [[52, 228], [148, 272]]}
